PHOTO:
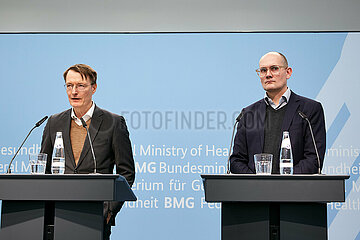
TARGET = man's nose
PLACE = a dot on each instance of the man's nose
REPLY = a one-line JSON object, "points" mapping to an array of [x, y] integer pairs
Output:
{"points": [[268, 73], [74, 90]]}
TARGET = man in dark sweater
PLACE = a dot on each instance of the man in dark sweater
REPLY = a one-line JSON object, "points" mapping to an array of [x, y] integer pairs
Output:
{"points": [[261, 127]]}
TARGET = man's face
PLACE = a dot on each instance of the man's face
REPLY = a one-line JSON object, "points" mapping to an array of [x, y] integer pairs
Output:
{"points": [[274, 82], [79, 91]]}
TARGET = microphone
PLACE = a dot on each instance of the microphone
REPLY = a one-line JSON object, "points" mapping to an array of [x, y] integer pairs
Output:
{"points": [[232, 139], [91, 146], [303, 116], [36, 125], [41, 121]]}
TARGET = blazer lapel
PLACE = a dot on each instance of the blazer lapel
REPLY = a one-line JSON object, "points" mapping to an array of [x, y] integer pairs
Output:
{"points": [[291, 110], [261, 114], [94, 127], [67, 142]]}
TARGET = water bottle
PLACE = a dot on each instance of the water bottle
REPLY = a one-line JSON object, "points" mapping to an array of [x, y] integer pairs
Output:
{"points": [[58, 158], [286, 158]]}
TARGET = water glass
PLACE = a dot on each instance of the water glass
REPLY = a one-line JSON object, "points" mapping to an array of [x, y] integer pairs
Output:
{"points": [[263, 163], [38, 163]]}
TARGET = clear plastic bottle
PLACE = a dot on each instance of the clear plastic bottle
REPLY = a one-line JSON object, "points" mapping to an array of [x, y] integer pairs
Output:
{"points": [[58, 158], [286, 157]]}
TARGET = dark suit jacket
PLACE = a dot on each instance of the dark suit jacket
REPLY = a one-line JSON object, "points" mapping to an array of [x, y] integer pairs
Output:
{"points": [[249, 138], [110, 139]]}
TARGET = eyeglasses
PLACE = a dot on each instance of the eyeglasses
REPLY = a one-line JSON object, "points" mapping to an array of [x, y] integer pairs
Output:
{"points": [[79, 87], [275, 70]]}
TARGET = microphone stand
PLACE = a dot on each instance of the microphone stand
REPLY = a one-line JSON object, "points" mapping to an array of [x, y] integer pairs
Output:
{"points": [[91, 146], [36, 125], [232, 139], [303, 116]]}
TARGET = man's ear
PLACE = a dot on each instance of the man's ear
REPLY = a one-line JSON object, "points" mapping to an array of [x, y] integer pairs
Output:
{"points": [[93, 87], [288, 72]]}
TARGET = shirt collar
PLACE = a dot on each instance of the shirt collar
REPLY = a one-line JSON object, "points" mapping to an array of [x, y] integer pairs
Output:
{"points": [[86, 117], [283, 100]]}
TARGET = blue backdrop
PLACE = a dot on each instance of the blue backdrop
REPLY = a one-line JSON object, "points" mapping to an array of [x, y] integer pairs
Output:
{"points": [[180, 94]]}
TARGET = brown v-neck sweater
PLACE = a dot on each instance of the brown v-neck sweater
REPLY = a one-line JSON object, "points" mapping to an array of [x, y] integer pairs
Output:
{"points": [[77, 138]]}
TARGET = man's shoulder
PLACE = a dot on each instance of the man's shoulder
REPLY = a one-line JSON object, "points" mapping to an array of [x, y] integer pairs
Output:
{"points": [[61, 115], [107, 114], [255, 105], [304, 100]]}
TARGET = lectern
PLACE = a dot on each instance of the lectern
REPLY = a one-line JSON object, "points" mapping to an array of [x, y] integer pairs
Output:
{"points": [[65, 207], [266, 207]]}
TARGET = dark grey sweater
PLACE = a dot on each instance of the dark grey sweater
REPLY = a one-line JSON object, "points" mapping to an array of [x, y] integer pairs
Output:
{"points": [[273, 134]]}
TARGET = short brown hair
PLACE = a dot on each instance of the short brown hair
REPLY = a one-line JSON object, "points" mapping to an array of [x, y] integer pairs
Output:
{"points": [[85, 72]]}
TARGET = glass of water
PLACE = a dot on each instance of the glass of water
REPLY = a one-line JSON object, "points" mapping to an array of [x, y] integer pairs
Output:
{"points": [[263, 163], [38, 163]]}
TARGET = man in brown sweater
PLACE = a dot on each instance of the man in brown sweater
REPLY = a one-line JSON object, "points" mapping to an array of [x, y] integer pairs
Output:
{"points": [[108, 131]]}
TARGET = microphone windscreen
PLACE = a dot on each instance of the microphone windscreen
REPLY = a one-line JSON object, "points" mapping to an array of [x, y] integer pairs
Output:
{"points": [[240, 116], [83, 122], [41, 121], [302, 114]]}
